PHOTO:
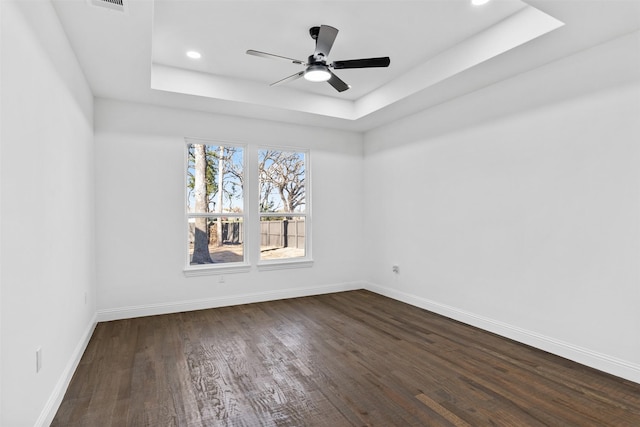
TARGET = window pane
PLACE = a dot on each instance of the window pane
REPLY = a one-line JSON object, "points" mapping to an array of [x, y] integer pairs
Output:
{"points": [[282, 237], [281, 181], [215, 240], [214, 178]]}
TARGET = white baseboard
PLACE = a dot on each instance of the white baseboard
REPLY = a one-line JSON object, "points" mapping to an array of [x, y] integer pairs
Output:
{"points": [[602, 362], [200, 304], [52, 405]]}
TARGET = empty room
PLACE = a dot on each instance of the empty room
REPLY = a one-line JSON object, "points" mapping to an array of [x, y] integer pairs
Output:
{"points": [[320, 213]]}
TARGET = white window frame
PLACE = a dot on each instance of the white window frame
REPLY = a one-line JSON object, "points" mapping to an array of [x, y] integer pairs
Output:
{"points": [[300, 262], [222, 268], [250, 216]]}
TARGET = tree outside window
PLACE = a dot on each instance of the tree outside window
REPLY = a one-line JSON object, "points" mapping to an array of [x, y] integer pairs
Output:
{"points": [[215, 203], [283, 204]]}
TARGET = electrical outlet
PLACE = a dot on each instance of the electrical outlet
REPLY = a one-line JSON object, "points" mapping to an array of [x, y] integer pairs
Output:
{"points": [[85, 297], [395, 269], [38, 359], [221, 279]]}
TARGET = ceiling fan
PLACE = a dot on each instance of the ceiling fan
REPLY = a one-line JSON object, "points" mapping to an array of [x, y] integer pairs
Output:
{"points": [[317, 69]]}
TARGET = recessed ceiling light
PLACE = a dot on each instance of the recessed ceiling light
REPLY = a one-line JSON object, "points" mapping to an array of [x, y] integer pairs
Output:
{"points": [[479, 2], [194, 55]]}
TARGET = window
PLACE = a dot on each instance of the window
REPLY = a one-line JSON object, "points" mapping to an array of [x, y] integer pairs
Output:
{"points": [[228, 231], [215, 204], [284, 218]]}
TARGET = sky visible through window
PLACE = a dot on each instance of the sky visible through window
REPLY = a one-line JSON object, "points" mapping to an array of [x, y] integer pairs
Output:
{"points": [[281, 180], [282, 176], [226, 162]]}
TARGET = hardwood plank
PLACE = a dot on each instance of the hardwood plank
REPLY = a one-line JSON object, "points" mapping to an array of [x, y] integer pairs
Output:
{"points": [[345, 359], [448, 415]]}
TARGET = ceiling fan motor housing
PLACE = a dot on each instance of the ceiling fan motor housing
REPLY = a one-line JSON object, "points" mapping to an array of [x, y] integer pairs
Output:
{"points": [[313, 60]]}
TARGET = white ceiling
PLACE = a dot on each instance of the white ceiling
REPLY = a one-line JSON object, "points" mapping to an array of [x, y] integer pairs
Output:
{"points": [[223, 30], [139, 54]]}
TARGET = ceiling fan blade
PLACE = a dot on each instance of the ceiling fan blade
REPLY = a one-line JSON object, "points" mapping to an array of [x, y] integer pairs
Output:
{"points": [[272, 56], [362, 63], [288, 79], [337, 83], [324, 42]]}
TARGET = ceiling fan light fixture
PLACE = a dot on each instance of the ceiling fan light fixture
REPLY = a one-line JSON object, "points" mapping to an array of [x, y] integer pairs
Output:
{"points": [[317, 73]]}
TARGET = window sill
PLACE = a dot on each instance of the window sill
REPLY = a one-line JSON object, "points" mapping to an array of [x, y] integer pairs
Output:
{"points": [[280, 265], [209, 270]]}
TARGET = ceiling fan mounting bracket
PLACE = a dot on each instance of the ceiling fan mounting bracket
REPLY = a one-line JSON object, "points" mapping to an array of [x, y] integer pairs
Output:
{"points": [[313, 32]]}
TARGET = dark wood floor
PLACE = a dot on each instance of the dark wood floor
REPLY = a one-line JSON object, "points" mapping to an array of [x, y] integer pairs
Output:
{"points": [[352, 358]]}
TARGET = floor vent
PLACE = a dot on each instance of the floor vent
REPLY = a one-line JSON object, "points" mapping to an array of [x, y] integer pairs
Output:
{"points": [[117, 5]]}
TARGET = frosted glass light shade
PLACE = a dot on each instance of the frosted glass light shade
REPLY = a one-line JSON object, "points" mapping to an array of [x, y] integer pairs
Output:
{"points": [[317, 73]]}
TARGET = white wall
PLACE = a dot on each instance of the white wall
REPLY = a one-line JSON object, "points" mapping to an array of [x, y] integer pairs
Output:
{"points": [[47, 212], [140, 210], [526, 224]]}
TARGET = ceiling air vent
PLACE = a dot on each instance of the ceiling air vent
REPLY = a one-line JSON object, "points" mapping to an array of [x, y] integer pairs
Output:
{"points": [[117, 5]]}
